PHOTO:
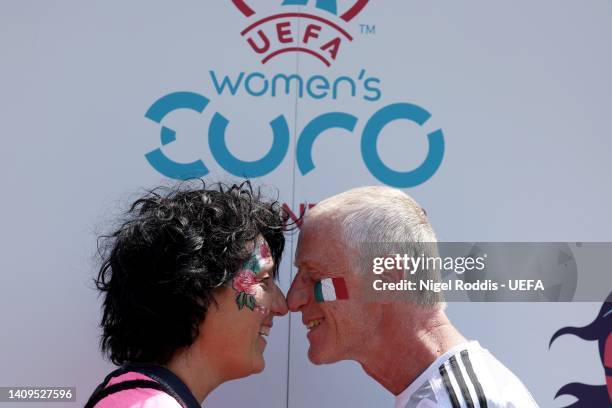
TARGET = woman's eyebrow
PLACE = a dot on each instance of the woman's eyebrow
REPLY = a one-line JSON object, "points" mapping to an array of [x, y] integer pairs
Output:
{"points": [[267, 269]]}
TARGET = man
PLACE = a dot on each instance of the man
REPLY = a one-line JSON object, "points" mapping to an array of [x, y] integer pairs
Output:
{"points": [[431, 363]]}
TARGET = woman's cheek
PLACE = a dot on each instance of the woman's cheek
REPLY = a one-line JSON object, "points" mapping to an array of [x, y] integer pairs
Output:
{"points": [[262, 300]]}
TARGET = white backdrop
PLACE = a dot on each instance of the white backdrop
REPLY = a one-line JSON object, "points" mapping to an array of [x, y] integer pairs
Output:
{"points": [[521, 91]]}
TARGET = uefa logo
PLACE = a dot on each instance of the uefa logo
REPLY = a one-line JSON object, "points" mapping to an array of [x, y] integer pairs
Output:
{"points": [[316, 28], [320, 31]]}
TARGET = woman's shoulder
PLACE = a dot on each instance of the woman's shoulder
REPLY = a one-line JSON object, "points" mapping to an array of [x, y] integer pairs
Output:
{"points": [[138, 397]]}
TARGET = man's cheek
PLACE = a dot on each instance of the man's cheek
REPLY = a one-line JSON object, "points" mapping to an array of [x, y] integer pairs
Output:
{"points": [[330, 290]]}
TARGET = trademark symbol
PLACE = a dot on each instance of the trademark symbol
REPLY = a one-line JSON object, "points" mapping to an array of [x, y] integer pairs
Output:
{"points": [[367, 28]]}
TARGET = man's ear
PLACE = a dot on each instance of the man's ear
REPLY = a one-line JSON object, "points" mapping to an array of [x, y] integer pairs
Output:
{"points": [[393, 273]]}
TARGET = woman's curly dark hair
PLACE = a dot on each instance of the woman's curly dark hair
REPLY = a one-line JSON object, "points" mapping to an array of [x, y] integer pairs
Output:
{"points": [[161, 266]]}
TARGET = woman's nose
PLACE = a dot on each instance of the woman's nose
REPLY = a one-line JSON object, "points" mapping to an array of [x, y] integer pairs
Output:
{"points": [[279, 304]]}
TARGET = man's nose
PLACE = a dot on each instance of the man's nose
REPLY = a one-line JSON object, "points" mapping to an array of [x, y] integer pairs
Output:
{"points": [[297, 297]]}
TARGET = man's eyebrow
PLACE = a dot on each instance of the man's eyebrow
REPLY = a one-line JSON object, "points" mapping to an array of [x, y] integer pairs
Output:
{"points": [[304, 264], [297, 263], [307, 270]]}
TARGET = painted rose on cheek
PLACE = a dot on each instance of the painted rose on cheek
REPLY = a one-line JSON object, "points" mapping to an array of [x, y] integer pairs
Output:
{"points": [[245, 283]]}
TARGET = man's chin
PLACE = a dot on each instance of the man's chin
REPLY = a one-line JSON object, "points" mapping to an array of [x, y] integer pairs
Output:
{"points": [[319, 357]]}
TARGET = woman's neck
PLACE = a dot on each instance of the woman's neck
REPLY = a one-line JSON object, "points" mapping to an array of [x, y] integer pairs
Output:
{"points": [[196, 371]]}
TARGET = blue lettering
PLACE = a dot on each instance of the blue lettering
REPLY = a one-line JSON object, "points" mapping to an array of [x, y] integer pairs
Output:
{"points": [[240, 168], [157, 111], [327, 5], [324, 86], [288, 79], [247, 84], [280, 142], [372, 160], [316, 86], [314, 128], [220, 88], [340, 79], [375, 90]]}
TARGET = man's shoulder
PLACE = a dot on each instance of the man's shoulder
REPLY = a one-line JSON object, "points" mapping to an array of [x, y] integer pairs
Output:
{"points": [[467, 375]]}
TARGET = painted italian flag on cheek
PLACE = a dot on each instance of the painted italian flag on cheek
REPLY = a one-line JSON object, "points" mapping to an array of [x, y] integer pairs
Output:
{"points": [[330, 289]]}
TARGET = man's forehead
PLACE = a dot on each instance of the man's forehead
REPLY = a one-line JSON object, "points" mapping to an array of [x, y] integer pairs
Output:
{"points": [[315, 236], [320, 246], [309, 258], [320, 224], [305, 256]]}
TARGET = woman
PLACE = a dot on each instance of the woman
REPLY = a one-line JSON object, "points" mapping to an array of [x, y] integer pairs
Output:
{"points": [[189, 294]]}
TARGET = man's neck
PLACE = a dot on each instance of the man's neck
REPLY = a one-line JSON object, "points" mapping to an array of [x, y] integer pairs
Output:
{"points": [[403, 351]]}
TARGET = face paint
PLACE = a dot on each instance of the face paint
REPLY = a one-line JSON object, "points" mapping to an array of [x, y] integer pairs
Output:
{"points": [[330, 289], [245, 282]]}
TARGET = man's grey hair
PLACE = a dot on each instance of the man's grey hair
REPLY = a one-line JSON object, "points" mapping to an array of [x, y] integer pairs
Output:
{"points": [[380, 221]]}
